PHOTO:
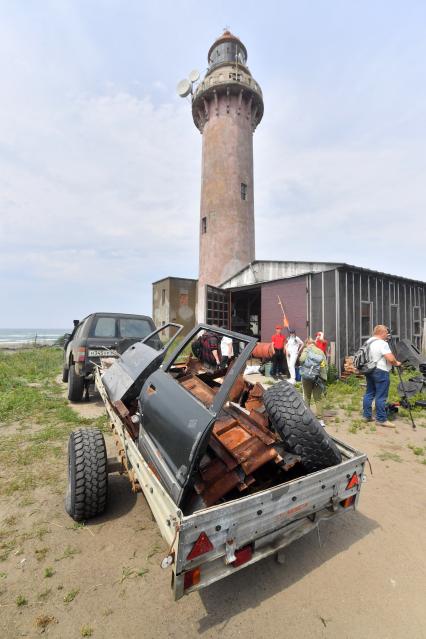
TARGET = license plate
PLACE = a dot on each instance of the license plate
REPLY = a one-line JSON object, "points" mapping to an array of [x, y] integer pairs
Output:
{"points": [[101, 353]]}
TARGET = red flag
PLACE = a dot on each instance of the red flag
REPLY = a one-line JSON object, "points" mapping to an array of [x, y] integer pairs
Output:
{"points": [[285, 320]]}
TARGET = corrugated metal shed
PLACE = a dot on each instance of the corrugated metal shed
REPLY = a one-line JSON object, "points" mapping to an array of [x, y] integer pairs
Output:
{"points": [[267, 270]]}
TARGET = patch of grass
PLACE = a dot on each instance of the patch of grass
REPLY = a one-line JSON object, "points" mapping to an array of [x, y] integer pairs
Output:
{"points": [[107, 612], [10, 521], [42, 621], [86, 631], [154, 550], [389, 456], [26, 501], [417, 450], [41, 553], [131, 573], [68, 553], [43, 596], [12, 540], [48, 572], [71, 595], [356, 426], [3, 575], [21, 601], [30, 394], [143, 572]]}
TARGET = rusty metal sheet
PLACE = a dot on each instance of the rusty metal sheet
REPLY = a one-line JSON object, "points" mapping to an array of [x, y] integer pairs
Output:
{"points": [[198, 388], [222, 453], [233, 437], [252, 428]]}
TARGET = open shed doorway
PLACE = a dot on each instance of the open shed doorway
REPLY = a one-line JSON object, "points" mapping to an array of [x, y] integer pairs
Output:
{"points": [[246, 311]]}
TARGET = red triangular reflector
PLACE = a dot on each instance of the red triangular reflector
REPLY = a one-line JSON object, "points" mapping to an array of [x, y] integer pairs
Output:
{"points": [[354, 481], [201, 546]]}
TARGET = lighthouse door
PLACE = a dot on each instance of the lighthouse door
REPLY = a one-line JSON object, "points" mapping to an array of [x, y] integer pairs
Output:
{"points": [[217, 306]]}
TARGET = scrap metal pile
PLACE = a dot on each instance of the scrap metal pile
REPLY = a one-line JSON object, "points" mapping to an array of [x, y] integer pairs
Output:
{"points": [[256, 438]]}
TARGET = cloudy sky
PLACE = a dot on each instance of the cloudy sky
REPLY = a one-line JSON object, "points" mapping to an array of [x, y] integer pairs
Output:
{"points": [[100, 160]]}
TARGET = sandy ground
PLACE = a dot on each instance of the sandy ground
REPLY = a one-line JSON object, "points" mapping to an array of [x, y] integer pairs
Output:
{"points": [[363, 576]]}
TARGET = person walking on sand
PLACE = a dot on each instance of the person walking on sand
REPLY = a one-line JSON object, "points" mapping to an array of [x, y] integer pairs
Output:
{"points": [[378, 380], [292, 349], [313, 370]]}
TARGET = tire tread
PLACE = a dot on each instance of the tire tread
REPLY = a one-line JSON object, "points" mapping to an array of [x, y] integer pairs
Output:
{"points": [[299, 429], [88, 479]]}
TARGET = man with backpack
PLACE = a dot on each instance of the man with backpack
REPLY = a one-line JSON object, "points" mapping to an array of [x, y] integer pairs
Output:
{"points": [[379, 360], [210, 349], [313, 370]]}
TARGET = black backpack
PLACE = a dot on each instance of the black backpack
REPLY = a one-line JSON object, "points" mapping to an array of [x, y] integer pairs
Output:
{"points": [[196, 348], [362, 359]]}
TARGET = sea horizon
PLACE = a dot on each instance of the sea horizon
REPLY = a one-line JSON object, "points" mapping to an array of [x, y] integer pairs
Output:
{"points": [[30, 335]]}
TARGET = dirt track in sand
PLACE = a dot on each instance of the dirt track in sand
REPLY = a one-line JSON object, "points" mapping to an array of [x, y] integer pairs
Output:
{"points": [[364, 576]]}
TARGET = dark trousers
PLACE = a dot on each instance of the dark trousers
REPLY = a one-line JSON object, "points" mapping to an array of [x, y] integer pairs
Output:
{"points": [[377, 388], [278, 362]]}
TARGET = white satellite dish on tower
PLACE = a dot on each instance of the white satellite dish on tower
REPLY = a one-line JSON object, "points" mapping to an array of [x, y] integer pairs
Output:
{"points": [[184, 88], [194, 75]]}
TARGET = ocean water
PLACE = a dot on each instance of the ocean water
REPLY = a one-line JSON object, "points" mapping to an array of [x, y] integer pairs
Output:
{"points": [[29, 335]]}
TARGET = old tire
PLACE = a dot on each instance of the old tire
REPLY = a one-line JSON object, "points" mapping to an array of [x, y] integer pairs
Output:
{"points": [[299, 429], [87, 474], [65, 374], [75, 385]]}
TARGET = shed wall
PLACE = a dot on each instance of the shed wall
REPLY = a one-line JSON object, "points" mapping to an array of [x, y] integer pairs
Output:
{"points": [[393, 301], [294, 298]]}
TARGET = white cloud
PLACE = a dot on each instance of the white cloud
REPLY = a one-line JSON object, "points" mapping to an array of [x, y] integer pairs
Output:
{"points": [[100, 171], [358, 200]]}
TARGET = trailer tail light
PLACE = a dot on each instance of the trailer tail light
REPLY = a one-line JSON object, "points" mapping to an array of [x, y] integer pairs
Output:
{"points": [[81, 354], [348, 501], [354, 481], [192, 578], [242, 556], [201, 546]]}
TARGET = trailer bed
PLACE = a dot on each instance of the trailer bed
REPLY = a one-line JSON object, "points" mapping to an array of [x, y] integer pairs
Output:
{"points": [[214, 542]]}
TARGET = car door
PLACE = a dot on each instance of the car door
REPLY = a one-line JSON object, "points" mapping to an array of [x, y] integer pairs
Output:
{"points": [[175, 426]]}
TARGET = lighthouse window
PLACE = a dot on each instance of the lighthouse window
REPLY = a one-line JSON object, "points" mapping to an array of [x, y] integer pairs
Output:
{"points": [[243, 191], [203, 225]]}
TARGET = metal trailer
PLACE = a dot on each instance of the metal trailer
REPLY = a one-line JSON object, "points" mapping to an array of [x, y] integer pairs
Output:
{"points": [[210, 544]]}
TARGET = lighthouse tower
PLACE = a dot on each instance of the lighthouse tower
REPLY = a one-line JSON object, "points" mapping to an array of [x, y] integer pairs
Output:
{"points": [[227, 106]]}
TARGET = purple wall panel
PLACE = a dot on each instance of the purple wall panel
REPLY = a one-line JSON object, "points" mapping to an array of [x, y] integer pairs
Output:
{"points": [[293, 296]]}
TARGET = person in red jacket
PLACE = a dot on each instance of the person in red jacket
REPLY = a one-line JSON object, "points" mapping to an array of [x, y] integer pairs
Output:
{"points": [[320, 342], [278, 341]]}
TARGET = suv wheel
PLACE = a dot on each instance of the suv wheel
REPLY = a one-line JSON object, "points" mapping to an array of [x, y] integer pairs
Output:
{"points": [[75, 385]]}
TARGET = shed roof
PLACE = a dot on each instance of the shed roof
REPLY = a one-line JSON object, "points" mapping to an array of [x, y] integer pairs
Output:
{"points": [[260, 271]]}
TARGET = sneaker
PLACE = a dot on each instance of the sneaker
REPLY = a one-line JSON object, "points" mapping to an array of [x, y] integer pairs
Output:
{"points": [[367, 419], [321, 421], [385, 424]]}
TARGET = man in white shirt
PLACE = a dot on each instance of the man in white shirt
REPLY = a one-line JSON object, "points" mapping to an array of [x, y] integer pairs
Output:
{"points": [[378, 380], [226, 350], [292, 349]]}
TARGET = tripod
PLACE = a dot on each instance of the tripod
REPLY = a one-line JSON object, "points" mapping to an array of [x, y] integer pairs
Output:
{"points": [[398, 368]]}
